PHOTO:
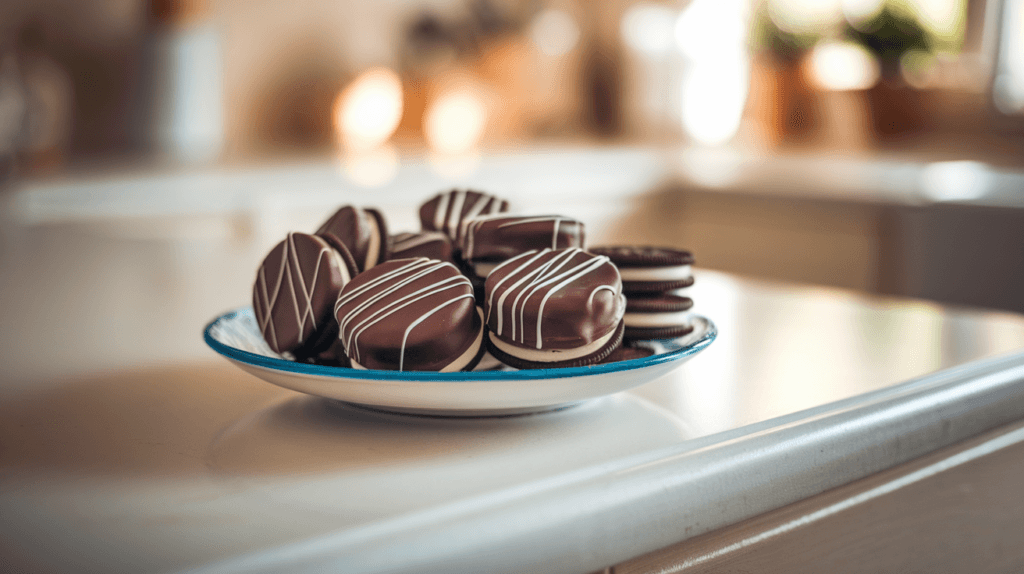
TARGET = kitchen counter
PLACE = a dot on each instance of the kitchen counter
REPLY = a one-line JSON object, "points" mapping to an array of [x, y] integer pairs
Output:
{"points": [[127, 446], [201, 467]]}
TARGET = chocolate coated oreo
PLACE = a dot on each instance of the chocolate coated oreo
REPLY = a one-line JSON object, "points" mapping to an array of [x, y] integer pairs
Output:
{"points": [[363, 231], [597, 357], [429, 244], [446, 212], [294, 293], [346, 255], [488, 241], [554, 308], [410, 315]]}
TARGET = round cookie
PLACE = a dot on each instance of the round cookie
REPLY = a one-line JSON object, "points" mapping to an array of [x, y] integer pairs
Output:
{"points": [[429, 244], [488, 241], [410, 315], [363, 231], [554, 308], [650, 269], [661, 316], [627, 352], [294, 294], [446, 212]]}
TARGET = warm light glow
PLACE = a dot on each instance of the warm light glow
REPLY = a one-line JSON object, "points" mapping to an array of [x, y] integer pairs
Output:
{"points": [[713, 100], [649, 27], [368, 110], [712, 35], [805, 16], [455, 122], [708, 30], [554, 32], [840, 66], [861, 10], [944, 18], [955, 180], [373, 167]]}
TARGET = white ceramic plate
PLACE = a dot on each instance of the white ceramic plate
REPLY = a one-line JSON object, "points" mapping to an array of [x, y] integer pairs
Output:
{"points": [[236, 336]]}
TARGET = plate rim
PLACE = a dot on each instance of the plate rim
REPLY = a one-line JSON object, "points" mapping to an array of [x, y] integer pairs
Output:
{"points": [[343, 373]]}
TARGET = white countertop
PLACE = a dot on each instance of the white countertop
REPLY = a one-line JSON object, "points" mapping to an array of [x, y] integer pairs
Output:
{"points": [[127, 446], [165, 467]]}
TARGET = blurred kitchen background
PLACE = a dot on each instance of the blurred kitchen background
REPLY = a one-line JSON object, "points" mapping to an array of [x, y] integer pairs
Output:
{"points": [[151, 151]]}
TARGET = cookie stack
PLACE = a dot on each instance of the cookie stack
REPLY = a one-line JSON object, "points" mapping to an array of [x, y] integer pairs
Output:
{"points": [[474, 288], [652, 279]]}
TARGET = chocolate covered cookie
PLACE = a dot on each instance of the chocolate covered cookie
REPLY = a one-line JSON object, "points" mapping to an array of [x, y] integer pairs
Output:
{"points": [[446, 212], [661, 316], [363, 231], [410, 315], [650, 269], [294, 294], [554, 308], [488, 241], [429, 244]]}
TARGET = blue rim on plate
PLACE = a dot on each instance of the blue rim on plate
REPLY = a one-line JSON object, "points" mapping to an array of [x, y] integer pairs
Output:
{"points": [[674, 349]]}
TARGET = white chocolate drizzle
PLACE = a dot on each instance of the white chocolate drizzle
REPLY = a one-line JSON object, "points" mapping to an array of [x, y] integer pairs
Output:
{"points": [[373, 309], [415, 240], [452, 212], [266, 300], [548, 277], [472, 227]]}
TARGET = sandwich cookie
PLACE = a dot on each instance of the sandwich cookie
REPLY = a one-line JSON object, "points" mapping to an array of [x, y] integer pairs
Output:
{"points": [[429, 244], [363, 231], [661, 316], [410, 315], [490, 240], [294, 294], [554, 308], [650, 269], [446, 212], [627, 352]]}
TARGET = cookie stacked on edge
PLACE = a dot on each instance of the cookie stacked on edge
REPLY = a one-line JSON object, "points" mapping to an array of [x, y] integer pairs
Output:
{"points": [[652, 278]]}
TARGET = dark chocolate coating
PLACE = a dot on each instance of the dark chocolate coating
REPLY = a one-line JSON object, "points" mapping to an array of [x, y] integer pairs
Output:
{"points": [[597, 356], [652, 333], [644, 256], [446, 211], [346, 255], [574, 296], [355, 228], [429, 244], [408, 314], [499, 238], [294, 294]]}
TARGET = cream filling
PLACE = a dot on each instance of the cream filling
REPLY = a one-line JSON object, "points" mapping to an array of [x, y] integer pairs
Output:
{"points": [[670, 319], [552, 355], [484, 269], [458, 364], [673, 273], [373, 248]]}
